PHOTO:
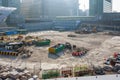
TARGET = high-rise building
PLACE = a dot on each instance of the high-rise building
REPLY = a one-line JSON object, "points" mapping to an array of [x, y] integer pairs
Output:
{"points": [[31, 8], [107, 7], [60, 8], [49, 8], [13, 18], [0, 2], [98, 7]]}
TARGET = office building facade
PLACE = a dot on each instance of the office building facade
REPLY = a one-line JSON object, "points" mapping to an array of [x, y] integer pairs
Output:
{"points": [[98, 7], [60, 8], [31, 8], [14, 17], [107, 7], [49, 9], [0, 2]]}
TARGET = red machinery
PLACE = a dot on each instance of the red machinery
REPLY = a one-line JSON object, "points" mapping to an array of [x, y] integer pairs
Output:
{"points": [[78, 53], [113, 61], [116, 55]]}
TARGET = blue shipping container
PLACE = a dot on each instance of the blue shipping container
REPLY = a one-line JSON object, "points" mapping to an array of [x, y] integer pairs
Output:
{"points": [[11, 32]]}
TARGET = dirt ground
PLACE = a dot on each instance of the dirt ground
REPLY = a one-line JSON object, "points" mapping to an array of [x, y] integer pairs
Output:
{"points": [[101, 46]]}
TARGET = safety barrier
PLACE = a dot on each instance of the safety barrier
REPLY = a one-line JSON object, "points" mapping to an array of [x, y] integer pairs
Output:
{"points": [[9, 53]]}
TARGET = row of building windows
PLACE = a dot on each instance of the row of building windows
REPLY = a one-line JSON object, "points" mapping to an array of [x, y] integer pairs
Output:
{"points": [[98, 7]]}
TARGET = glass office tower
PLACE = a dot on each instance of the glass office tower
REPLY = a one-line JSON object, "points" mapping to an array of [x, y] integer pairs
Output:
{"points": [[98, 7]]}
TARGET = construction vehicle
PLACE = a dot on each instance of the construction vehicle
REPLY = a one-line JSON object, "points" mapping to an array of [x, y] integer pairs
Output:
{"points": [[98, 70], [79, 52], [115, 55], [68, 46], [113, 60]]}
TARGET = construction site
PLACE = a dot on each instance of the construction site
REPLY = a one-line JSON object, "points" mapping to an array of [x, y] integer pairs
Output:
{"points": [[62, 54], [58, 47]]}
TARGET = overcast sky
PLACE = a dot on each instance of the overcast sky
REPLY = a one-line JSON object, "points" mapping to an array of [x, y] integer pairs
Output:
{"points": [[84, 4]]}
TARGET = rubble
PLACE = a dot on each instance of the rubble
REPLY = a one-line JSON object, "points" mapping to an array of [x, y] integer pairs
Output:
{"points": [[10, 73]]}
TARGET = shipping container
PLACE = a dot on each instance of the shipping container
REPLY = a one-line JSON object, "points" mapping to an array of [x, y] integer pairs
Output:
{"points": [[57, 48], [43, 42], [22, 31], [11, 32], [50, 74]]}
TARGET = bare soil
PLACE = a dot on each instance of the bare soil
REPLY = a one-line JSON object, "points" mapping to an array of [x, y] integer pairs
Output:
{"points": [[101, 46]]}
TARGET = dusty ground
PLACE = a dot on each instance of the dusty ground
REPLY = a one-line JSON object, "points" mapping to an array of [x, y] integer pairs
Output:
{"points": [[101, 46]]}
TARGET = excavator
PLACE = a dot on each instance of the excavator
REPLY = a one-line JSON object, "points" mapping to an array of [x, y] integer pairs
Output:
{"points": [[113, 61]]}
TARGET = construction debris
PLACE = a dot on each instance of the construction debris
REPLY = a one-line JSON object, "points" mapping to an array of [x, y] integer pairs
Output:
{"points": [[97, 46], [14, 73], [15, 46]]}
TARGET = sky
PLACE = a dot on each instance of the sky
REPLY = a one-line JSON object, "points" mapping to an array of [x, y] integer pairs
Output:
{"points": [[84, 4], [116, 5]]}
